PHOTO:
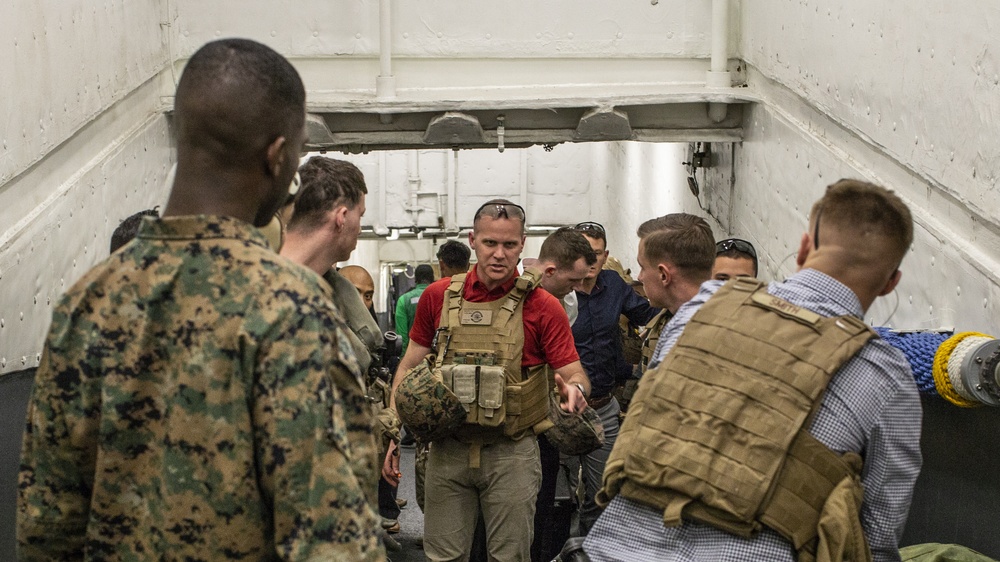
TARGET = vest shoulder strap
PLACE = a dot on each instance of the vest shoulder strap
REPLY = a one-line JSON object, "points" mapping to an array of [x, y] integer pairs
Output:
{"points": [[524, 285]]}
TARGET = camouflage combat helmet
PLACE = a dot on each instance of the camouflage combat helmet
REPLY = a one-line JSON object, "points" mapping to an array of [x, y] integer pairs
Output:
{"points": [[574, 434], [425, 405]]}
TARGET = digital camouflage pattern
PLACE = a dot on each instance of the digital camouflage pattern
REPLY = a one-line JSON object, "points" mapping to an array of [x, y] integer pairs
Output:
{"points": [[197, 400], [573, 434], [425, 405]]}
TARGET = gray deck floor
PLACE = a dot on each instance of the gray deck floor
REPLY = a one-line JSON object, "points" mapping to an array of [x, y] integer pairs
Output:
{"points": [[411, 519]]}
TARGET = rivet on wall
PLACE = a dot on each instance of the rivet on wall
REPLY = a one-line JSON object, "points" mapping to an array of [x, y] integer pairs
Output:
{"points": [[958, 291], [3, 362]]}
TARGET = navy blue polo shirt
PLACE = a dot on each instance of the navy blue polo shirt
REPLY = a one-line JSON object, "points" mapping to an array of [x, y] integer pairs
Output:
{"points": [[596, 329]]}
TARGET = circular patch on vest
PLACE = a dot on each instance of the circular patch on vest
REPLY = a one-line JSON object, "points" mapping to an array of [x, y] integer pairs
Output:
{"points": [[476, 316]]}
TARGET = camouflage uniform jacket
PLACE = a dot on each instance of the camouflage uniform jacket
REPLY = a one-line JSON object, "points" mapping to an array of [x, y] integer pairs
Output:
{"points": [[196, 400]]}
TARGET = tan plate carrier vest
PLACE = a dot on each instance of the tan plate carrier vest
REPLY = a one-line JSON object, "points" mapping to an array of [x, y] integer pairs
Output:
{"points": [[651, 335], [717, 433], [479, 349]]}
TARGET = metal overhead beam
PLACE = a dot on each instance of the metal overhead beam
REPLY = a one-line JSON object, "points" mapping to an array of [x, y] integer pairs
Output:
{"points": [[363, 131]]}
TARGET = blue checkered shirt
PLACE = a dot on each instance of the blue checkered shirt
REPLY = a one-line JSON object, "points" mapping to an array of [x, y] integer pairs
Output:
{"points": [[871, 407]]}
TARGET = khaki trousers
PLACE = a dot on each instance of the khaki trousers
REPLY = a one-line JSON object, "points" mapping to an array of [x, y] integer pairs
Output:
{"points": [[504, 487]]}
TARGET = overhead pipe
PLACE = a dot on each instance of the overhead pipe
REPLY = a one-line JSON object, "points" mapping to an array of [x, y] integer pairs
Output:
{"points": [[718, 75], [382, 226], [385, 83], [413, 181], [452, 191]]}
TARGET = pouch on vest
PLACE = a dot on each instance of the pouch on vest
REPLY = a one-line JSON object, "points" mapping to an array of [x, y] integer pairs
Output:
{"points": [[527, 401], [719, 433], [480, 389]]}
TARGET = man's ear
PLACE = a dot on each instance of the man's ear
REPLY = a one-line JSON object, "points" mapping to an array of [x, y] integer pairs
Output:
{"points": [[666, 275], [276, 156], [332, 219], [339, 216], [549, 270], [471, 240], [805, 245], [891, 283]]}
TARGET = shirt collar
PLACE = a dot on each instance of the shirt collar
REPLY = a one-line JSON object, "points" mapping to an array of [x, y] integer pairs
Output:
{"points": [[200, 227], [837, 293], [480, 287]]}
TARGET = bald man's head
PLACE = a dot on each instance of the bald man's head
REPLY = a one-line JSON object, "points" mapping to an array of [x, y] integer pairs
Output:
{"points": [[362, 280]]}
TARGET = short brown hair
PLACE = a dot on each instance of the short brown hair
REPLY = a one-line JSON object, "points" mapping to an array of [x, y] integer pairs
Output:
{"points": [[327, 183], [684, 240], [566, 245], [867, 215]]}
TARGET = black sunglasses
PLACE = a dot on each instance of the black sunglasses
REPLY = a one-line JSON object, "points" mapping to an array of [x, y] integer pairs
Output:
{"points": [[500, 210], [590, 226], [736, 244]]}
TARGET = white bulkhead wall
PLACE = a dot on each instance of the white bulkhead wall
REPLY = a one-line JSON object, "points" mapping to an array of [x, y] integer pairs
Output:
{"points": [[903, 96], [84, 144]]}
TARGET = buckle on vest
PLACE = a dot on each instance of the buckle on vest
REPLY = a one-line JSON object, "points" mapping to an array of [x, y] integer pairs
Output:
{"points": [[673, 512]]}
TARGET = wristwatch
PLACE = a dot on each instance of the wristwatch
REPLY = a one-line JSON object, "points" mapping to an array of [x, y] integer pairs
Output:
{"points": [[582, 391]]}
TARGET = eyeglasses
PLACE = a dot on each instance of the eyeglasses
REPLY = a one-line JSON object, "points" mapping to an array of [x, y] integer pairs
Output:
{"points": [[590, 226], [500, 210], [736, 244]]}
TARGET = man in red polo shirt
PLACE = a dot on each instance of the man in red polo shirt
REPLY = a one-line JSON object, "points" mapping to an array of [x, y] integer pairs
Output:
{"points": [[505, 483]]}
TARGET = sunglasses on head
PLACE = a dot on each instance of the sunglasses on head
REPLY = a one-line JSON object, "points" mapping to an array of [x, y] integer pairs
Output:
{"points": [[589, 226], [500, 210], [736, 244]]}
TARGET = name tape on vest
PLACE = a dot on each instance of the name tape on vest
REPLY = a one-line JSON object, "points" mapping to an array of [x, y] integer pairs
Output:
{"points": [[785, 308]]}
